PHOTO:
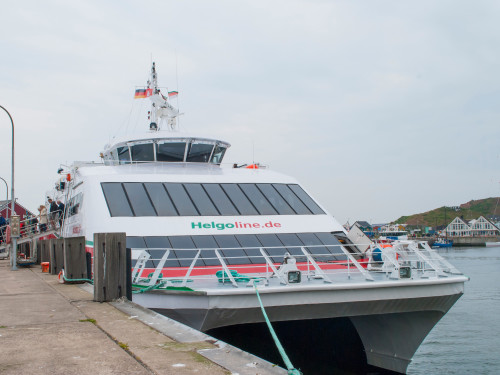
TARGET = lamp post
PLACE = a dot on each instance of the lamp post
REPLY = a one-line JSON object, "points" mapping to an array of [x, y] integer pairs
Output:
{"points": [[6, 189], [13, 254]]}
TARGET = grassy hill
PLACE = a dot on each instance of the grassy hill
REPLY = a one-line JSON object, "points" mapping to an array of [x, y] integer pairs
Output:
{"points": [[443, 215]]}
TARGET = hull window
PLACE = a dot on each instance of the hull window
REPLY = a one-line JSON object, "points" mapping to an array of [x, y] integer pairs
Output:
{"points": [[161, 199], [238, 249], [139, 199], [201, 200], [116, 199], [193, 199], [258, 200], [306, 199]]}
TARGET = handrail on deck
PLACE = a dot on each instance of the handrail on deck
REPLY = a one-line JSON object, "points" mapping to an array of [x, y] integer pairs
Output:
{"points": [[329, 267]]}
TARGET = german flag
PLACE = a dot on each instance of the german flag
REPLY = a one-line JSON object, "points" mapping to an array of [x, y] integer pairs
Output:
{"points": [[143, 93]]}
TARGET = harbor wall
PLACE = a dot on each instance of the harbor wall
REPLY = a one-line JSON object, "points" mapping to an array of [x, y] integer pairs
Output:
{"points": [[463, 241]]}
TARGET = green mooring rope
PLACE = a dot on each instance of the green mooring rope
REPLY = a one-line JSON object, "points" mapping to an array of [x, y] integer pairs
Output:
{"points": [[291, 370]]}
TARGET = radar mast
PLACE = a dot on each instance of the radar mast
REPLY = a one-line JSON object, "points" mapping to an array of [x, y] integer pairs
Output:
{"points": [[161, 110]]}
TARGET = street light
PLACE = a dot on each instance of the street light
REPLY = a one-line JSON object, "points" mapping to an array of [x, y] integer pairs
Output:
{"points": [[6, 189], [13, 254]]}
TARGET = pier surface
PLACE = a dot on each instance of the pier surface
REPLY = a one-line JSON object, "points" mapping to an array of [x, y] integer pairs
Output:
{"points": [[51, 328]]}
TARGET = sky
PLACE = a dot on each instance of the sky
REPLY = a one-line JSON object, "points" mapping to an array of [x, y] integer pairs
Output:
{"points": [[378, 108]]}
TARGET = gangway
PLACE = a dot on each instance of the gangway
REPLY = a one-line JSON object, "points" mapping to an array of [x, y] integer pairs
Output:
{"points": [[29, 232]]}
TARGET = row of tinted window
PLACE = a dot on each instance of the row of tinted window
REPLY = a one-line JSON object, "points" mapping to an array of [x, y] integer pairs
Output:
{"points": [[193, 199], [237, 249]]}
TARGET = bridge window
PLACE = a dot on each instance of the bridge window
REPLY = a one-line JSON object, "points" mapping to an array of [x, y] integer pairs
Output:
{"points": [[170, 151], [143, 152], [199, 152], [123, 154]]}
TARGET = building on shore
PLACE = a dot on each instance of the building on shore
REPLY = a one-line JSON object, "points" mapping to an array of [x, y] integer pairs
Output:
{"points": [[480, 227], [19, 209]]}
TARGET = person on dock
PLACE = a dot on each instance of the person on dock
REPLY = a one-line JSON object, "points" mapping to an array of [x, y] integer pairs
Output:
{"points": [[60, 209], [3, 223], [33, 224], [43, 218], [52, 212]]}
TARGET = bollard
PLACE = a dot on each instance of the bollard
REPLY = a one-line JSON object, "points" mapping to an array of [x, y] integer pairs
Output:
{"points": [[110, 266], [75, 259], [44, 246], [56, 246]]}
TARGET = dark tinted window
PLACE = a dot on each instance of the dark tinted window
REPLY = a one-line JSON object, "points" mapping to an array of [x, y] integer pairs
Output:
{"points": [[329, 239], [251, 245], [316, 248], [181, 200], [123, 154], [139, 199], [258, 200], [291, 239], [220, 199], [160, 199], [306, 199], [218, 154], [185, 257], [201, 200], [194, 199], [290, 197], [231, 250], [144, 152], [116, 199], [199, 152], [170, 151], [135, 242], [239, 199], [238, 249], [207, 243], [275, 199], [273, 246]]}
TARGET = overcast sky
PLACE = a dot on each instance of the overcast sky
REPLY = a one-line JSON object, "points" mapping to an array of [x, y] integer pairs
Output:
{"points": [[379, 108]]}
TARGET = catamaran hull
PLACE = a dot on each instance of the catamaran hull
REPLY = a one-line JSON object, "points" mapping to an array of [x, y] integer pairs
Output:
{"points": [[390, 321]]}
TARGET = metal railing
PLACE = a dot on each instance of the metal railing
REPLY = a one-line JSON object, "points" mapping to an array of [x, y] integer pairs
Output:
{"points": [[30, 228], [404, 260]]}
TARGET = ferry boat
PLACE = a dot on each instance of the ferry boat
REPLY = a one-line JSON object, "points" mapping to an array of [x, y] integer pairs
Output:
{"points": [[206, 237], [392, 232]]}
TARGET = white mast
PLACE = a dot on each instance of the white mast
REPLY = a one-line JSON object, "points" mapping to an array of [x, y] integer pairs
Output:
{"points": [[161, 109]]}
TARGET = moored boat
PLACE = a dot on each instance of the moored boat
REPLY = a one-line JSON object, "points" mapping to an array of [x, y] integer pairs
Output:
{"points": [[442, 242], [205, 236]]}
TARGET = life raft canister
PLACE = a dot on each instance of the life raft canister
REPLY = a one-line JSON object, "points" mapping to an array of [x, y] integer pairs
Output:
{"points": [[377, 255]]}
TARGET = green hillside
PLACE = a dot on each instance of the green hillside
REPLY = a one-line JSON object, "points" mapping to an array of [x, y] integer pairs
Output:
{"points": [[443, 215]]}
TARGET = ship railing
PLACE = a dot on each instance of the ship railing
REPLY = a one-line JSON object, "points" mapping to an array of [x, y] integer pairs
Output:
{"points": [[403, 261], [30, 229]]}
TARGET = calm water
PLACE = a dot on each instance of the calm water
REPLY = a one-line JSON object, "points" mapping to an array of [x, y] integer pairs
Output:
{"points": [[467, 339]]}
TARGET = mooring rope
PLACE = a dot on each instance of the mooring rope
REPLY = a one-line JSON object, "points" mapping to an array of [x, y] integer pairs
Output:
{"points": [[291, 370]]}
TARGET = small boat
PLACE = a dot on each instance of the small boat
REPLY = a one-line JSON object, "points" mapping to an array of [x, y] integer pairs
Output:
{"points": [[492, 244], [442, 242]]}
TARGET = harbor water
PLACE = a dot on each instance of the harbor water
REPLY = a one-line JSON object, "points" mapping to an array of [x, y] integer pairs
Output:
{"points": [[467, 339]]}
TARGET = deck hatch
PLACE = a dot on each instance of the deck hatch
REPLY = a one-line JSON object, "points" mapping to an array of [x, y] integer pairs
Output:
{"points": [[196, 199]]}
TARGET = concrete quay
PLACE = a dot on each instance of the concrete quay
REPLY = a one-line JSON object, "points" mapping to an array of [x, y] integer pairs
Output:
{"points": [[51, 328]]}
